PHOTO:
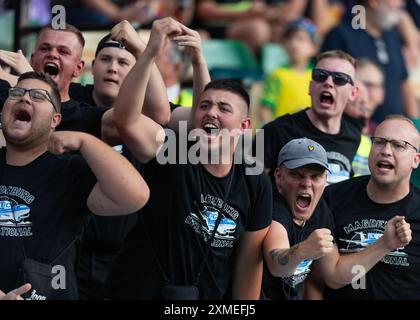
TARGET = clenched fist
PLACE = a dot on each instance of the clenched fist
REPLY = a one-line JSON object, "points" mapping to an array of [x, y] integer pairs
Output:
{"points": [[318, 244], [397, 233]]}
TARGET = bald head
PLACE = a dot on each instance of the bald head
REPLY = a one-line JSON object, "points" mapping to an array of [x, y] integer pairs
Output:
{"points": [[399, 127]]}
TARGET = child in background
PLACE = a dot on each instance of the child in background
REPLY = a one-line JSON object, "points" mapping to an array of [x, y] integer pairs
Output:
{"points": [[286, 88]]}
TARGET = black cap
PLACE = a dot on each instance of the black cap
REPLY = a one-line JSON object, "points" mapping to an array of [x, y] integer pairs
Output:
{"points": [[106, 42]]}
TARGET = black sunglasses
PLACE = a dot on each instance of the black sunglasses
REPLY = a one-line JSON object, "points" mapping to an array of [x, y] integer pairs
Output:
{"points": [[339, 78]]}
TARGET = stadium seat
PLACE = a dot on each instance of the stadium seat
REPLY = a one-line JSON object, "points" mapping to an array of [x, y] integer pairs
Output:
{"points": [[230, 59], [273, 56]]}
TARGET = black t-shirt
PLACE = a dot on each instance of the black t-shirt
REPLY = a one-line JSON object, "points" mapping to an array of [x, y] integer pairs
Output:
{"points": [[359, 222], [277, 288], [82, 93], [184, 202], [340, 147], [48, 198], [85, 94], [102, 241], [79, 116], [75, 116]]}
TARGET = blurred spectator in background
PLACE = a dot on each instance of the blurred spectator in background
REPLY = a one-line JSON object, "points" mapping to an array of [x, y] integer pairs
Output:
{"points": [[106, 12], [380, 42], [173, 63], [237, 19], [359, 108], [372, 77], [285, 87]]}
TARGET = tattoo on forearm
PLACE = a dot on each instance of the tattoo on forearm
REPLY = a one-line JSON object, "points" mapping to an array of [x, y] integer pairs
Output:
{"points": [[283, 256]]}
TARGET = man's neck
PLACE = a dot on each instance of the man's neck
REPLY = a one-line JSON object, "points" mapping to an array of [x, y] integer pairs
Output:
{"points": [[16, 156], [326, 125], [299, 66], [218, 170], [371, 28], [64, 94], [387, 193]]}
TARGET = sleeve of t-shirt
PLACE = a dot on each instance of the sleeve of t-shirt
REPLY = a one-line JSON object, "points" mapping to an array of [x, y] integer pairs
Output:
{"points": [[357, 123], [261, 206], [271, 91], [281, 213], [4, 92]]}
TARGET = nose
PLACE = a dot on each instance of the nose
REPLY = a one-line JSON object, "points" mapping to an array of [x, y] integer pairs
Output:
{"points": [[52, 53], [386, 150], [212, 111], [305, 182], [112, 66], [329, 81], [25, 98]]}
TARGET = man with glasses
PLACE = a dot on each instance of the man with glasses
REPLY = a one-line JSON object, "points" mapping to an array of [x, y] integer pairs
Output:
{"points": [[49, 181], [330, 89], [363, 207]]}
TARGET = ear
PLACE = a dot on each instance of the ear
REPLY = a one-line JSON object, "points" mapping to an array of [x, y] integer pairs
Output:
{"points": [[93, 62], [56, 119], [78, 69], [277, 178], [310, 87], [353, 93], [416, 161], [245, 124]]}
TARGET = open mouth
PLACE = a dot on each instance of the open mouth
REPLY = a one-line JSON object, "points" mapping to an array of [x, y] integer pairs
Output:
{"points": [[111, 80], [22, 115], [51, 69], [211, 129], [303, 201], [326, 97], [385, 165]]}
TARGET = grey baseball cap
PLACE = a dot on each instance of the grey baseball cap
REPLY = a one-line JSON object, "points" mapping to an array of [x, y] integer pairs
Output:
{"points": [[301, 152]]}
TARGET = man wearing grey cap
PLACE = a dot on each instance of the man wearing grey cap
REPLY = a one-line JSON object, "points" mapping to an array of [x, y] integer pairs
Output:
{"points": [[300, 231]]}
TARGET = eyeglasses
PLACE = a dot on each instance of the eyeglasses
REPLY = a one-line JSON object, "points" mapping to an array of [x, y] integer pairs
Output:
{"points": [[339, 78], [396, 145], [36, 95]]}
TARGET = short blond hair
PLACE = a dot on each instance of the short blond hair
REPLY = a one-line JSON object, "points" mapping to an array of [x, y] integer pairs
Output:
{"points": [[336, 54]]}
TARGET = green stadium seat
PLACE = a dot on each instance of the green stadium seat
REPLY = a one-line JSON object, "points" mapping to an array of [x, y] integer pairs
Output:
{"points": [[230, 59], [273, 56]]}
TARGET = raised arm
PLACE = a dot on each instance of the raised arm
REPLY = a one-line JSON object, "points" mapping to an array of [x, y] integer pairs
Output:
{"points": [[282, 260], [156, 105], [247, 275], [120, 188], [337, 271], [191, 41], [142, 135]]}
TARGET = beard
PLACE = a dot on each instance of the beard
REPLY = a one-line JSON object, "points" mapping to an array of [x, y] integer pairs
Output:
{"points": [[36, 136], [387, 20]]}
